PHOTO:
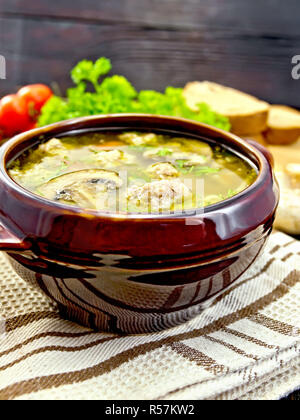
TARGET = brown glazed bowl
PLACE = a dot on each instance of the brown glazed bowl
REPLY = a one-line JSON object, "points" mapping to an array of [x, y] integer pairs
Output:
{"points": [[130, 273]]}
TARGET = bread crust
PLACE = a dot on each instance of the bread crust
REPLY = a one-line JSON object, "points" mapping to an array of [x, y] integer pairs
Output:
{"points": [[288, 212], [247, 114], [282, 136], [252, 124], [283, 125]]}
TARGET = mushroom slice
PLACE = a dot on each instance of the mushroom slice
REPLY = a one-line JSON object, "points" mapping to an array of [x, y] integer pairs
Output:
{"points": [[83, 188]]}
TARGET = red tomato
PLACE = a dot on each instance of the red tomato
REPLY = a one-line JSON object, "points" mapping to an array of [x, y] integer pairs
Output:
{"points": [[32, 126], [14, 116], [35, 96]]}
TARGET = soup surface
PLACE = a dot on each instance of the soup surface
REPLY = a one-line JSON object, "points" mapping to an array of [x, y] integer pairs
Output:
{"points": [[132, 172]]}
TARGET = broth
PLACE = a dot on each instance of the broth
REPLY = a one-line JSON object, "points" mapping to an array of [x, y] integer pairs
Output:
{"points": [[132, 172]]}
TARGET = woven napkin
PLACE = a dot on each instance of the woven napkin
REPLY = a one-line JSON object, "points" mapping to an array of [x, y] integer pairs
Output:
{"points": [[245, 346]]}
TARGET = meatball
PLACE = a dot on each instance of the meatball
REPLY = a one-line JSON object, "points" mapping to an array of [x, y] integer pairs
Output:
{"points": [[52, 147], [159, 195], [162, 170], [139, 139], [113, 158]]}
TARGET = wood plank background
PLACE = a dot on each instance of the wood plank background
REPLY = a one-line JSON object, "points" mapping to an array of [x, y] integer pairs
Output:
{"points": [[245, 44]]}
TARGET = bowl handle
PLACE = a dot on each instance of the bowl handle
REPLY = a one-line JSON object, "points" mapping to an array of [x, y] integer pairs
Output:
{"points": [[268, 155], [10, 242]]}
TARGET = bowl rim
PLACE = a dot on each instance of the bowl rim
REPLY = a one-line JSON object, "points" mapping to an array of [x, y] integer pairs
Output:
{"points": [[9, 146]]}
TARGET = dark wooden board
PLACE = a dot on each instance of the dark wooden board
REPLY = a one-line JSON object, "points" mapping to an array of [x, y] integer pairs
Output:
{"points": [[257, 16], [247, 45]]}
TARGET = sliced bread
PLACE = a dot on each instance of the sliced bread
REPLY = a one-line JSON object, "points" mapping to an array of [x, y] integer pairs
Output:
{"points": [[287, 172], [283, 125], [288, 212], [247, 114]]}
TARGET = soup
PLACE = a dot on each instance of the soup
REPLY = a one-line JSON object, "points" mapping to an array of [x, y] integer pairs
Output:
{"points": [[132, 172]]}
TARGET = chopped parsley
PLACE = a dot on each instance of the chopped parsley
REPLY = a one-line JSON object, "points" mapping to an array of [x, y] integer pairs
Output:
{"points": [[164, 152], [196, 170]]}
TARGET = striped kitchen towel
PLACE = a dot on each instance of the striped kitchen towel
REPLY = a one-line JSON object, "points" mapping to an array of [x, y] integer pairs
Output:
{"points": [[245, 346]]}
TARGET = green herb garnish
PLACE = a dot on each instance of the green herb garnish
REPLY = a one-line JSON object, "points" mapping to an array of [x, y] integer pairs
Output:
{"points": [[116, 94], [164, 152], [231, 193], [181, 162], [196, 170], [93, 150]]}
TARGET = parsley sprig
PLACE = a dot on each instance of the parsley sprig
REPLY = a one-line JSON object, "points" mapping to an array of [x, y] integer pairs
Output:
{"points": [[115, 94]]}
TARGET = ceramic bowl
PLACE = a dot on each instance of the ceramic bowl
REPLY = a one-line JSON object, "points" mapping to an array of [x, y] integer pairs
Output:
{"points": [[133, 273]]}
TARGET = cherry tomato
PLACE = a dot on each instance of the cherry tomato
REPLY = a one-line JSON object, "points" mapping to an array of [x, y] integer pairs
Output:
{"points": [[35, 96], [19, 112], [14, 117]]}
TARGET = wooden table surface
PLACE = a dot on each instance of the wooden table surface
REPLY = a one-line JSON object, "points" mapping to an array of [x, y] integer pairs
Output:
{"points": [[245, 44]]}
